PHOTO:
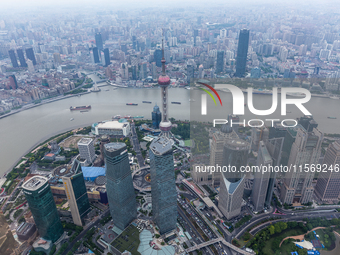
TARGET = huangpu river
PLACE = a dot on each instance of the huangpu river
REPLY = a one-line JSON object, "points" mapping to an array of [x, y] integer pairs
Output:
{"points": [[22, 131]]}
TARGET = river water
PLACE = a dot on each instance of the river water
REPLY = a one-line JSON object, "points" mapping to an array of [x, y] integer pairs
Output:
{"points": [[24, 130]]}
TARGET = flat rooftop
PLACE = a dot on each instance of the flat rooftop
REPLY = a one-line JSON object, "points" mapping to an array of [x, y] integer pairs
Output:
{"points": [[161, 145], [114, 146], [35, 183], [85, 141], [112, 125]]}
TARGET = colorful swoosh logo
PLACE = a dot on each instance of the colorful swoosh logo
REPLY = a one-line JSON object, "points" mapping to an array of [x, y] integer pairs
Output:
{"points": [[209, 93]]}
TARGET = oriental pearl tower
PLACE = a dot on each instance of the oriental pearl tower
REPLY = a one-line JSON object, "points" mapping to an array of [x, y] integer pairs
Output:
{"points": [[164, 82]]}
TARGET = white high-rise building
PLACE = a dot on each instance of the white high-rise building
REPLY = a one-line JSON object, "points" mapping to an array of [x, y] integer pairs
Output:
{"points": [[306, 149], [223, 33], [283, 54], [86, 150], [30, 65]]}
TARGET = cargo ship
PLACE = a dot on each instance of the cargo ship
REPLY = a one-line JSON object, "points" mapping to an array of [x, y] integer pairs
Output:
{"points": [[80, 108], [131, 104], [138, 117], [147, 102], [333, 118], [176, 102]]}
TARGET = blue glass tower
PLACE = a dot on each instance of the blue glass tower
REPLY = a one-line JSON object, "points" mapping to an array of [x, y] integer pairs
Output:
{"points": [[156, 117], [76, 193], [242, 51], [41, 203], [163, 186], [220, 62], [30, 55], [107, 56], [95, 54], [158, 57], [120, 191], [13, 58], [21, 58], [99, 41]]}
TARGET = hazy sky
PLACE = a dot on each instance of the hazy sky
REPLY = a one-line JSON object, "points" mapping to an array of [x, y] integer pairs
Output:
{"points": [[10, 6]]}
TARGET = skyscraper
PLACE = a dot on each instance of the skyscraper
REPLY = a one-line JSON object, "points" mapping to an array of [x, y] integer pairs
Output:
{"points": [[164, 82], [220, 62], [190, 73], [328, 185], [156, 117], [119, 186], [57, 58], [216, 151], [242, 51], [261, 178], [13, 58], [235, 154], [163, 186], [99, 41], [274, 147], [95, 53], [21, 57], [76, 193], [86, 150], [107, 56], [30, 55], [158, 57], [41, 203], [306, 149]]}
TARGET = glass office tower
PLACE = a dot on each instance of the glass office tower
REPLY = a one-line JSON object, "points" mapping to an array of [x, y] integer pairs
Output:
{"points": [[163, 186], [41, 203], [242, 51], [76, 193], [119, 186]]}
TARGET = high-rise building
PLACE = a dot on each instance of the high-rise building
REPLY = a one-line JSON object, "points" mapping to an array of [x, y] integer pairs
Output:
{"points": [[41, 203], [156, 117], [119, 186], [13, 81], [306, 149], [220, 62], [261, 178], [158, 57], [13, 58], [164, 82], [107, 56], [195, 36], [99, 41], [86, 150], [235, 154], [242, 51], [21, 57], [216, 151], [258, 134], [308, 123], [190, 73], [95, 53], [134, 72], [163, 186], [57, 58], [274, 147], [30, 66], [328, 185], [30, 55], [76, 193]]}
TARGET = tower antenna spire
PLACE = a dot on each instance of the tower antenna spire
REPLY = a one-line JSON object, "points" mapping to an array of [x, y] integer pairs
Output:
{"points": [[163, 59]]}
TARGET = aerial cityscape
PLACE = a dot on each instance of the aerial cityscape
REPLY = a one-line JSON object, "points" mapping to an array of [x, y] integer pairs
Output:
{"points": [[184, 127]]}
